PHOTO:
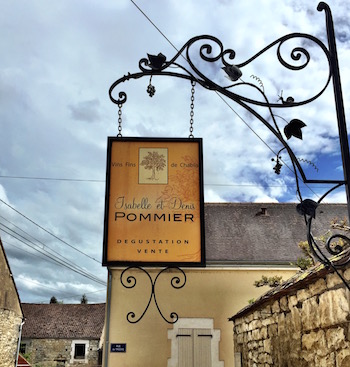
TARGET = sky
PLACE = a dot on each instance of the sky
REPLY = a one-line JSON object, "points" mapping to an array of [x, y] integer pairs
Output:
{"points": [[58, 61]]}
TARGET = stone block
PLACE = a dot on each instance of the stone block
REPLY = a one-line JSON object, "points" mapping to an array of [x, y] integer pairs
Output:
{"points": [[239, 339], [333, 280], [318, 287], [255, 356], [267, 321], [256, 334], [310, 315], [325, 361], [257, 315], [335, 338], [347, 274], [264, 358], [275, 308], [266, 311], [334, 307], [284, 304], [313, 341], [263, 332], [249, 336], [343, 358], [268, 346], [295, 320], [248, 318], [256, 324], [303, 294], [309, 357], [281, 324], [272, 330], [293, 301]]}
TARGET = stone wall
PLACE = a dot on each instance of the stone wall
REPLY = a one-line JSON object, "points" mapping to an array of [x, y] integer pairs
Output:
{"points": [[9, 333], [10, 313], [58, 353], [308, 327]]}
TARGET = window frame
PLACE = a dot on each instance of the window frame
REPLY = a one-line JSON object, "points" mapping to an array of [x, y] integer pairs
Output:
{"points": [[73, 357]]}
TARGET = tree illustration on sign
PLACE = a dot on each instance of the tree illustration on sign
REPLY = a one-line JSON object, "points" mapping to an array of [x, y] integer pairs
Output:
{"points": [[155, 162]]}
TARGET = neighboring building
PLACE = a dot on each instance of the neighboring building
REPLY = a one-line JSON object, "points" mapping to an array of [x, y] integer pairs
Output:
{"points": [[11, 314], [243, 242], [304, 322], [63, 335]]}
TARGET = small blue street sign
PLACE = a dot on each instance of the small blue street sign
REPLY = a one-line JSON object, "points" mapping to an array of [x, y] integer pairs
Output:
{"points": [[118, 347]]}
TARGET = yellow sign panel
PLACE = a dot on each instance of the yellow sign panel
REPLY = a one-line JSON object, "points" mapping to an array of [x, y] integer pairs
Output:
{"points": [[154, 202]]}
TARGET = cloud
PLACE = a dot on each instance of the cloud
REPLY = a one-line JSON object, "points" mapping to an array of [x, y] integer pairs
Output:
{"points": [[56, 115], [86, 111]]}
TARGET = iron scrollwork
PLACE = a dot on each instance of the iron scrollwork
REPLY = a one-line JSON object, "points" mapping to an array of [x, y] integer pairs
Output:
{"points": [[209, 49], [177, 281], [337, 245]]}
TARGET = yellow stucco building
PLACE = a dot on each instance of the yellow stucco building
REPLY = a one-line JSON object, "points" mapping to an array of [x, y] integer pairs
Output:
{"points": [[243, 242]]}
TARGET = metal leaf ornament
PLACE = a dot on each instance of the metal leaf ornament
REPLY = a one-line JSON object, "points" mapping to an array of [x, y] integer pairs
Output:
{"points": [[156, 61], [307, 207], [294, 129], [233, 72]]}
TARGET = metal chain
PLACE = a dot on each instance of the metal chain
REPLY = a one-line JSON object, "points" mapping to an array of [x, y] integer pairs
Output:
{"points": [[119, 121], [193, 83]]}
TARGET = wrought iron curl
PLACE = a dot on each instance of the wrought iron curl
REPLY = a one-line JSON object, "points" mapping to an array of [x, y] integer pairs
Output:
{"points": [[296, 55], [337, 249], [130, 282], [231, 54], [122, 98], [177, 282], [206, 53], [144, 62], [329, 260]]}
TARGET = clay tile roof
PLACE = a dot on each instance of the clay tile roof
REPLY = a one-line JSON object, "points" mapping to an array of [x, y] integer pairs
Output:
{"points": [[63, 321], [261, 233]]}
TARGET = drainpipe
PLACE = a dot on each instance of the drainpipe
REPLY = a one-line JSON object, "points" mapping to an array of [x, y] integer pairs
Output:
{"points": [[19, 341], [108, 316]]}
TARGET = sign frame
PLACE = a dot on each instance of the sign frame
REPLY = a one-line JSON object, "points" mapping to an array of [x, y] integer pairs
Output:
{"points": [[171, 142], [118, 348]]}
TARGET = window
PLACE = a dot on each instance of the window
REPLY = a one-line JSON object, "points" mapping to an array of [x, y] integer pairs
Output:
{"points": [[23, 348], [79, 351]]}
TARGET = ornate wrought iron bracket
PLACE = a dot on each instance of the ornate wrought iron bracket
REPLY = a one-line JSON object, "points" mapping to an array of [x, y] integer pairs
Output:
{"points": [[209, 49], [177, 282]]}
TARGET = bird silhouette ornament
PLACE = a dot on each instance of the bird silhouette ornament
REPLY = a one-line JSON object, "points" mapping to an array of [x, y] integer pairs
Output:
{"points": [[233, 72]]}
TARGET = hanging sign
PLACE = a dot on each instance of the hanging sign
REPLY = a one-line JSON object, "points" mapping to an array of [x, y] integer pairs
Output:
{"points": [[154, 202]]}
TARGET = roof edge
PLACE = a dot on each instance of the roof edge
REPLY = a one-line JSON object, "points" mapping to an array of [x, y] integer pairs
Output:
{"points": [[296, 282]]}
